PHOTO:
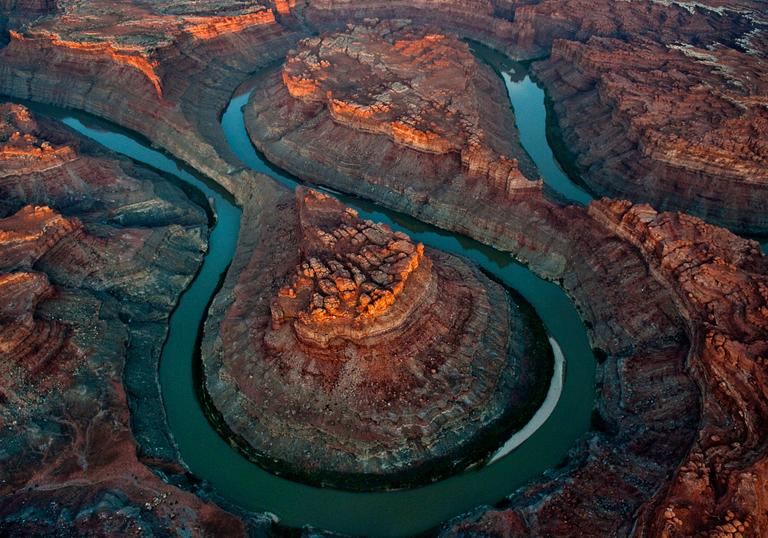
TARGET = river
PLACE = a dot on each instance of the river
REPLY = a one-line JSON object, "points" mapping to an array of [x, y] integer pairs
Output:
{"points": [[541, 445]]}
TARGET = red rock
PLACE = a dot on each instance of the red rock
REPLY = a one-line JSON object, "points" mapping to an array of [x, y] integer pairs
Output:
{"points": [[172, 68], [721, 282], [623, 274], [68, 286], [419, 96]]}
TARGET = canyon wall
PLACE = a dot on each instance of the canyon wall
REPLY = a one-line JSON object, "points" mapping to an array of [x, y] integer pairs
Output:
{"points": [[676, 125], [94, 252], [674, 307], [162, 70]]}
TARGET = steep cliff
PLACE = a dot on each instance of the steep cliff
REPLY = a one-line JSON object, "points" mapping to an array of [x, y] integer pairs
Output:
{"points": [[677, 125], [82, 294]]}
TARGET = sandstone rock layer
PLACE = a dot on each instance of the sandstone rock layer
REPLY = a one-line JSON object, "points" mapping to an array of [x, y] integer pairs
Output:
{"points": [[431, 110], [679, 126]]}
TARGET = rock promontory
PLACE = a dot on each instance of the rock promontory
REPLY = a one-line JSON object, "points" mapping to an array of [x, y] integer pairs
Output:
{"points": [[350, 355], [94, 253], [416, 96]]}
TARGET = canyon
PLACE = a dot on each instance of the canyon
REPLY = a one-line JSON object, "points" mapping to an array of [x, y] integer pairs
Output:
{"points": [[693, 118], [659, 103]]}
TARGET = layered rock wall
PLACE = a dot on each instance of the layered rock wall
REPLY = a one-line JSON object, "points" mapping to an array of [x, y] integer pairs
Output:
{"points": [[377, 363], [175, 65]]}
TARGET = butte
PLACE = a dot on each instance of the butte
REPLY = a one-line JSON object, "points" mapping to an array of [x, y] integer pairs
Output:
{"points": [[348, 355]]}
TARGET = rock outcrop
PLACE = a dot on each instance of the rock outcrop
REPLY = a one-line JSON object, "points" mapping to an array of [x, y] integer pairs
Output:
{"points": [[525, 29], [377, 363], [675, 307], [721, 285], [718, 284], [163, 69], [704, 157], [94, 253], [420, 92], [484, 20], [647, 401]]}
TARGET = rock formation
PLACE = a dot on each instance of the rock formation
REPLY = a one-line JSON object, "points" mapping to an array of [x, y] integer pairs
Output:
{"points": [[647, 399], [680, 126], [718, 284], [721, 285], [418, 96], [164, 69], [674, 307], [377, 363], [704, 157]]}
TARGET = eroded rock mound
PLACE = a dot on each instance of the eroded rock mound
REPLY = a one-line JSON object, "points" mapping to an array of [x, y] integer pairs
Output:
{"points": [[438, 111], [351, 279], [378, 362]]}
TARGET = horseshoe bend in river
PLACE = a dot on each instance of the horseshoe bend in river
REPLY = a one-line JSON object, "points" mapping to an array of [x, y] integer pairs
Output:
{"points": [[394, 288], [542, 443]]}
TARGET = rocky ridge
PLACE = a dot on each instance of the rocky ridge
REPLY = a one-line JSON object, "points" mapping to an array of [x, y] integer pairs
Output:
{"points": [[721, 284], [709, 55], [647, 399], [174, 63], [430, 110], [679, 125], [351, 273]]}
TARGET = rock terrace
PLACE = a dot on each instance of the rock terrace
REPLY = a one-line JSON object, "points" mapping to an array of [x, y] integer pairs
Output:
{"points": [[422, 89]]}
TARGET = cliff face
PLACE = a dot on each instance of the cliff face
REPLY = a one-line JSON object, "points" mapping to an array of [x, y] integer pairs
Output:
{"points": [[717, 283], [421, 89], [377, 362], [667, 109], [648, 396], [721, 284], [676, 125], [539, 24], [410, 105], [675, 96], [473, 18], [82, 294], [646, 400], [525, 29]]}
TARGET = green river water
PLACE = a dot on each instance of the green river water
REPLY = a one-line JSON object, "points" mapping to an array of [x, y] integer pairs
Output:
{"points": [[543, 444]]}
